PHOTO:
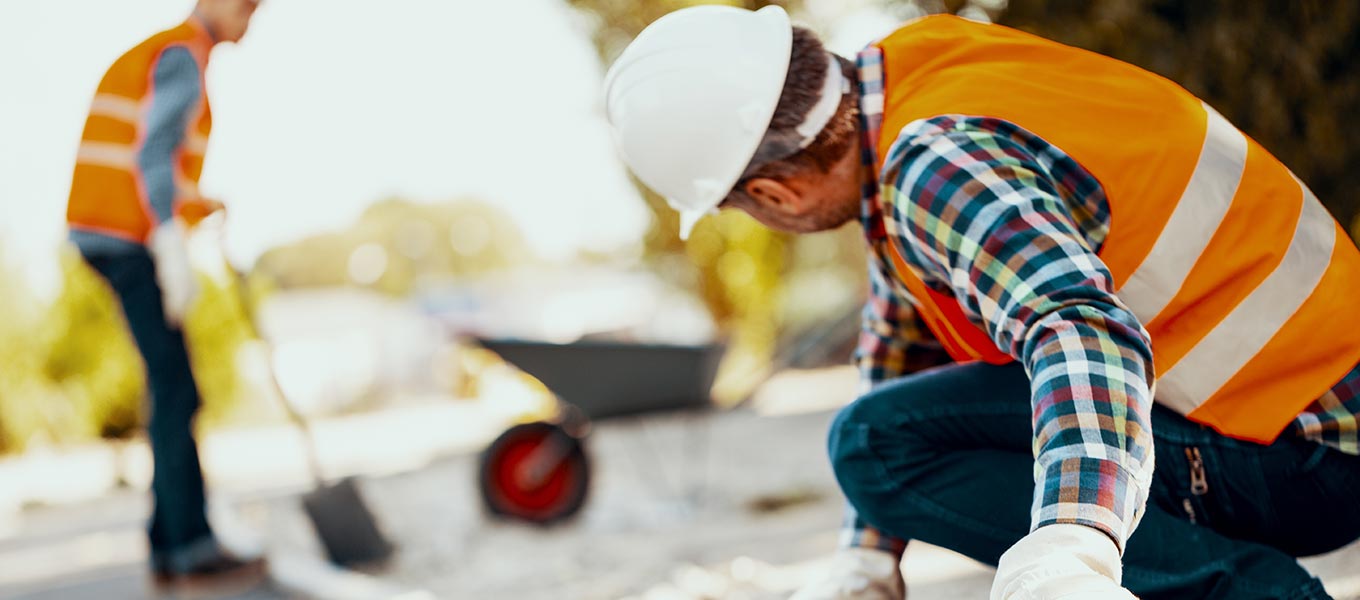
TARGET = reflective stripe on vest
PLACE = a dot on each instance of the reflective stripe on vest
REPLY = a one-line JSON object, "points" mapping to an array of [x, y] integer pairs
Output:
{"points": [[195, 143], [1226, 258], [107, 154], [116, 107]]}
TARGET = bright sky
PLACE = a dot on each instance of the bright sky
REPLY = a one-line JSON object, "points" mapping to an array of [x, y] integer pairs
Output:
{"points": [[329, 105]]}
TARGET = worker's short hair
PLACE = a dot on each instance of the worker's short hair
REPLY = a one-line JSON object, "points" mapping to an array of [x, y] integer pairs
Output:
{"points": [[802, 88]]}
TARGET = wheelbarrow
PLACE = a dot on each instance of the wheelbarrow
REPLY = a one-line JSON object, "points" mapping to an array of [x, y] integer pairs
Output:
{"points": [[539, 472]]}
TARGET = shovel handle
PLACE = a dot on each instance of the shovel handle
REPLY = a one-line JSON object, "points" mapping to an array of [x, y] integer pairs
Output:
{"points": [[249, 311]]}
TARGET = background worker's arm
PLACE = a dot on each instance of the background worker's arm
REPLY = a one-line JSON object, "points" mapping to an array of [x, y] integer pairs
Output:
{"points": [[984, 215], [175, 93]]}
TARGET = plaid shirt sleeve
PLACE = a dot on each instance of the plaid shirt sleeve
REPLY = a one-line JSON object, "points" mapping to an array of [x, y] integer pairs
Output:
{"points": [[977, 207], [893, 340]]}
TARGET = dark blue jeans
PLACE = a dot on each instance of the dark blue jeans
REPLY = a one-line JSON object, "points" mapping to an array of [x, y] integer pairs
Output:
{"points": [[179, 526], [944, 456]]}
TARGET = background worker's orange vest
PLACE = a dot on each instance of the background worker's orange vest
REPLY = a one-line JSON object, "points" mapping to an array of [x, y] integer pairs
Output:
{"points": [[107, 196], [1244, 281]]}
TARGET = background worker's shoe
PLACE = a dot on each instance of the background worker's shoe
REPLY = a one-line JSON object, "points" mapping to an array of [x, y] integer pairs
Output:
{"points": [[857, 574], [222, 574]]}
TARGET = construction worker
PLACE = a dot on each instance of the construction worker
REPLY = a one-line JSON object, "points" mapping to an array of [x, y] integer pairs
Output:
{"points": [[133, 192], [1153, 386]]}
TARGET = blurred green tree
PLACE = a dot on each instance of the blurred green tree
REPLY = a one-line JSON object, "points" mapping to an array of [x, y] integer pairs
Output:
{"points": [[215, 331], [72, 372], [21, 409], [88, 354], [396, 244]]}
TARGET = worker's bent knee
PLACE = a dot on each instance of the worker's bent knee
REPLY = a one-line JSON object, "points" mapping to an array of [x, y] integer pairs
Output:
{"points": [[862, 436], [892, 412], [849, 440]]}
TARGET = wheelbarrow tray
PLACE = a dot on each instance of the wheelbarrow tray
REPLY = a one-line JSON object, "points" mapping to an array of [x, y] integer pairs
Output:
{"points": [[610, 379]]}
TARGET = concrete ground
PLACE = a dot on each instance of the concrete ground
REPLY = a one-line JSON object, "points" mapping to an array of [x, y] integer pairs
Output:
{"points": [[726, 505], [91, 550], [720, 505], [120, 582], [731, 505]]}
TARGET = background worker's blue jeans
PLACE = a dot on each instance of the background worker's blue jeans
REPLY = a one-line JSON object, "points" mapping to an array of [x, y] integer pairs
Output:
{"points": [[179, 530], [944, 457]]}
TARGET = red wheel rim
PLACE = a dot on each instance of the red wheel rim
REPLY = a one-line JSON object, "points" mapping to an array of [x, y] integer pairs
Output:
{"points": [[549, 495]]}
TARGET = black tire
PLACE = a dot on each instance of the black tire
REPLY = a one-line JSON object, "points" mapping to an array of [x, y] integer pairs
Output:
{"points": [[559, 496]]}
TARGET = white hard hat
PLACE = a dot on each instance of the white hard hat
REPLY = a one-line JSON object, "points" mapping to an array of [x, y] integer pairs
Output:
{"points": [[691, 98]]}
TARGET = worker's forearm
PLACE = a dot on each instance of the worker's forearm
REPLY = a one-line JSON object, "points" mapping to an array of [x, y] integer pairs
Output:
{"points": [[985, 216], [1090, 377], [175, 92]]}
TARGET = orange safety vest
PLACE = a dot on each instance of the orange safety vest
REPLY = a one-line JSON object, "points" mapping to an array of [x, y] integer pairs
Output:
{"points": [[107, 196], [1243, 280]]}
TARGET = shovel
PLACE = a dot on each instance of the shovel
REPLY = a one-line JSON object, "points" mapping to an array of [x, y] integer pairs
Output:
{"points": [[346, 527]]}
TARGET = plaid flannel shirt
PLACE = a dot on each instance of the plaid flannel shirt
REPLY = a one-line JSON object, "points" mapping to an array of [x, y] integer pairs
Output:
{"points": [[996, 216]]}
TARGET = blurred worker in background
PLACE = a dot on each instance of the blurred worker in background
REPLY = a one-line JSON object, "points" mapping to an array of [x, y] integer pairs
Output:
{"points": [[134, 192], [1074, 233]]}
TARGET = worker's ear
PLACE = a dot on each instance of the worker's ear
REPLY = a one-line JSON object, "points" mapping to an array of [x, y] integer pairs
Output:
{"points": [[776, 195]]}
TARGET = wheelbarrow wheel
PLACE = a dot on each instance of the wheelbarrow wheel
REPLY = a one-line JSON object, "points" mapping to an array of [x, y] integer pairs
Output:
{"points": [[535, 472]]}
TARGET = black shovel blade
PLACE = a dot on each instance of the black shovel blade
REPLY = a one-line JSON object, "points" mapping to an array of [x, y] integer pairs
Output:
{"points": [[346, 527]]}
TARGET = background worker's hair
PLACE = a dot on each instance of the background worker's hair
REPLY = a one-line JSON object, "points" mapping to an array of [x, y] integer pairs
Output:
{"points": [[802, 88]]}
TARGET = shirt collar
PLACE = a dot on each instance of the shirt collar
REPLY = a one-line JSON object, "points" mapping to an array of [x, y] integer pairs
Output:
{"points": [[870, 69]]}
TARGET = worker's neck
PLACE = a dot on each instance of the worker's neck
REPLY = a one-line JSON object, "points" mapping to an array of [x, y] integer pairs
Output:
{"points": [[868, 172], [207, 23]]}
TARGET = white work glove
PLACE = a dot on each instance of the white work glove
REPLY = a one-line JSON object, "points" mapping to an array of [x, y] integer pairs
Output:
{"points": [[857, 574], [1061, 562], [173, 272]]}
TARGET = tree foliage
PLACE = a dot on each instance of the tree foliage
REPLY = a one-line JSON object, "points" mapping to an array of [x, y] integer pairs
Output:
{"points": [[72, 372], [89, 355], [405, 242]]}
